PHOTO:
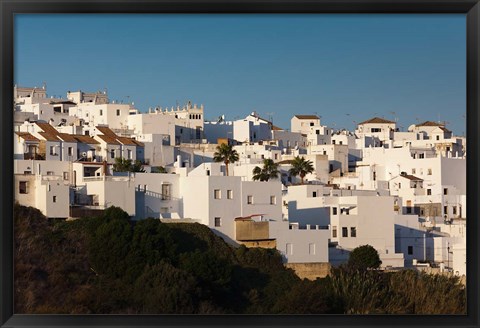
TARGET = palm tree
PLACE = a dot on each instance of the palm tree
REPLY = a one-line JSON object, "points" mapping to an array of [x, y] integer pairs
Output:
{"points": [[226, 154], [269, 171], [301, 167]]}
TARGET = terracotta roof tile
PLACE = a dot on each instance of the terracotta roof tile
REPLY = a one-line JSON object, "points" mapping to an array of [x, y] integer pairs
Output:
{"points": [[376, 120], [66, 137], [108, 139], [26, 136], [85, 139], [47, 128], [106, 131], [430, 123], [126, 141], [48, 136]]}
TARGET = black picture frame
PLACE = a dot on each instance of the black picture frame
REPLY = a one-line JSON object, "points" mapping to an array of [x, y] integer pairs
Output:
{"points": [[8, 9]]}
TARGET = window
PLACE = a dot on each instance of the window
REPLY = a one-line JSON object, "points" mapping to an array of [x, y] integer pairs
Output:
{"points": [[318, 131], [373, 130], [344, 232], [429, 172], [314, 194], [289, 249], [276, 156], [311, 124], [410, 250], [353, 232], [273, 200], [65, 175], [454, 209], [70, 151], [217, 194], [23, 187], [52, 150], [324, 152], [249, 199], [229, 194], [334, 232], [208, 172], [333, 142], [118, 112], [311, 249], [101, 112], [414, 171], [166, 191], [112, 153], [218, 222], [438, 137], [445, 191], [399, 185], [54, 199], [334, 211], [129, 153], [445, 210], [429, 192]]}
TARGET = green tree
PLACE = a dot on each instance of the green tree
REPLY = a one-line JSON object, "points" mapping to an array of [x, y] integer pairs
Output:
{"points": [[126, 165], [364, 257], [158, 169], [269, 171], [226, 154], [301, 167]]}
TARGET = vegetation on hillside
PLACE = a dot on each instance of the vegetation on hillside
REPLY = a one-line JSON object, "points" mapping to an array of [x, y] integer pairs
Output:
{"points": [[112, 265]]}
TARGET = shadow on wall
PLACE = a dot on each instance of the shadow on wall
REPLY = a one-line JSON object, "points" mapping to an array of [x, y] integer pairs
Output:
{"points": [[315, 216]]}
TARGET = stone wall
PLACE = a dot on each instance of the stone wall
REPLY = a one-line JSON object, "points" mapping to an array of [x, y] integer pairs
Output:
{"points": [[310, 271]]}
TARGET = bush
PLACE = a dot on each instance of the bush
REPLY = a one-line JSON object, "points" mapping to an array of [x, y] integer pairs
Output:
{"points": [[364, 257]]}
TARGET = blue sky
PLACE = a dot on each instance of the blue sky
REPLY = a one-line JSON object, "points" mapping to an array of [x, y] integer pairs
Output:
{"points": [[345, 68]]}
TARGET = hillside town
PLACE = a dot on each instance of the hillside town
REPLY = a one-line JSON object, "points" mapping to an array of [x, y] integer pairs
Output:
{"points": [[312, 192]]}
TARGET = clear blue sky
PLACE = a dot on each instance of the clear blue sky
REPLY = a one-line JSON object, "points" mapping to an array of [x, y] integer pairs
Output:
{"points": [[345, 68]]}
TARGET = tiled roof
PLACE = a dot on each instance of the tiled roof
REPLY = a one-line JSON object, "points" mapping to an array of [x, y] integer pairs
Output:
{"points": [[106, 131], [49, 136], [66, 137], [430, 123], [108, 139], [85, 139], [47, 128], [444, 129], [27, 136], [276, 128], [307, 117], [376, 120], [126, 141], [139, 143], [411, 177]]}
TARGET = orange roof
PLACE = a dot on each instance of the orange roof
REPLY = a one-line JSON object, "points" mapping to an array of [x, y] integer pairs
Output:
{"points": [[27, 136], [126, 141], [66, 137], [430, 123], [48, 136], [47, 128], [108, 139], [376, 120], [85, 139], [106, 131], [274, 127]]}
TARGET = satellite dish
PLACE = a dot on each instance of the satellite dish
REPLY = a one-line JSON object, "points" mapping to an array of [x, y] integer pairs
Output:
{"points": [[411, 127], [84, 154]]}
